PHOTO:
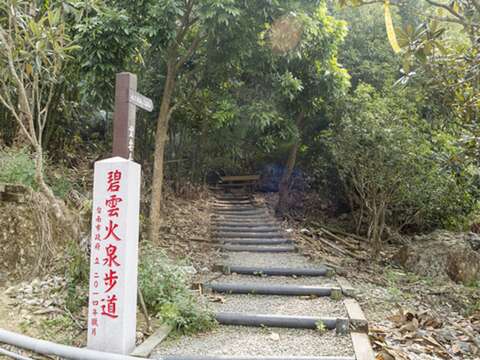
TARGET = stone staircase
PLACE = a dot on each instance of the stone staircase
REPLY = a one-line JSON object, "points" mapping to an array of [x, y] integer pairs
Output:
{"points": [[272, 303]]}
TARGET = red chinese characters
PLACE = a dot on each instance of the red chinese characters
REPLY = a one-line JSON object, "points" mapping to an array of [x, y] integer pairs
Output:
{"points": [[105, 253], [110, 308], [110, 259], [96, 246]]}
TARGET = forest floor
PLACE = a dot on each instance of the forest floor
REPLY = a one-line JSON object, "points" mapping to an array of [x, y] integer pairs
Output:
{"points": [[411, 317]]}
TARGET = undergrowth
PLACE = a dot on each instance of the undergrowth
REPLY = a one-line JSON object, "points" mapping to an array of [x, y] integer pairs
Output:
{"points": [[165, 288], [77, 276], [17, 166]]}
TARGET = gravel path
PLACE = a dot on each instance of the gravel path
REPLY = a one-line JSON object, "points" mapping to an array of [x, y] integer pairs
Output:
{"points": [[247, 341], [261, 341], [280, 305], [272, 260], [277, 280]]}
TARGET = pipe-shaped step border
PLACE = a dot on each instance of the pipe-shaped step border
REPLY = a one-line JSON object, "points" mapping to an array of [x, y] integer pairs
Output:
{"points": [[243, 223], [220, 209], [273, 271], [261, 220], [270, 235], [241, 215], [270, 289], [245, 229], [234, 203], [232, 198], [258, 248], [255, 241], [341, 325]]}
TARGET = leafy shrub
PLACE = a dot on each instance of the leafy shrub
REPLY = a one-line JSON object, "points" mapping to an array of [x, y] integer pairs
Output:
{"points": [[77, 276], [17, 167], [166, 293], [397, 170], [61, 181]]}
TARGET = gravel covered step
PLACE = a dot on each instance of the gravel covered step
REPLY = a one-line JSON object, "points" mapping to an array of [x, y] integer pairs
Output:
{"points": [[231, 197], [242, 223], [239, 342], [254, 235], [234, 208], [279, 305], [235, 278], [245, 216], [255, 241], [241, 215], [234, 203], [271, 289], [274, 271], [259, 248], [268, 260], [281, 321], [247, 229]]}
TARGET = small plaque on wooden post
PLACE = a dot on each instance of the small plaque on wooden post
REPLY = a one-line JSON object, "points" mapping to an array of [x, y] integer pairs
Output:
{"points": [[126, 101]]}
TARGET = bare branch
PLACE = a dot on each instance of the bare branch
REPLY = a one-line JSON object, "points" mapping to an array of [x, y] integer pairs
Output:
{"points": [[446, 7], [13, 72], [193, 47], [186, 22], [476, 4], [6, 101]]}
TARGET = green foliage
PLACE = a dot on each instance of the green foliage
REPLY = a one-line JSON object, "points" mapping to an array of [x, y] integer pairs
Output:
{"points": [[61, 327], [166, 292], [394, 169], [77, 275], [320, 326], [110, 44], [366, 53], [17, 167]]}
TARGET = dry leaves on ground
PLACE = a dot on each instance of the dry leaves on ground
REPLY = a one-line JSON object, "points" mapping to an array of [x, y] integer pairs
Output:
{"points": [[410, 335]]}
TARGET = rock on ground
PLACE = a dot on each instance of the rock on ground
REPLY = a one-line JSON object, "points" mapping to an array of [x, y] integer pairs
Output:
{"points": [[443, 254]]}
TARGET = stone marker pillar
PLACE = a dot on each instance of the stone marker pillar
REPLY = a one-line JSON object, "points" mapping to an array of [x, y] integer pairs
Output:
{"points": [[114, 256]]}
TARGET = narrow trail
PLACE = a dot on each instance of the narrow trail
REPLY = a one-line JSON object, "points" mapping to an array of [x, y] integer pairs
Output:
{"points": [[271, 302]]}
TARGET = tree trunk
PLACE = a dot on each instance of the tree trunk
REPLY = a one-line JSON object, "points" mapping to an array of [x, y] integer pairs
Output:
{"points": [[44, 188], [282, 203], [160, 139]]}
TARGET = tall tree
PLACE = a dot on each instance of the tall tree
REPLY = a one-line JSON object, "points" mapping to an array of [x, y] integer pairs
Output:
{"points": [[308, 74], [33, 48]]}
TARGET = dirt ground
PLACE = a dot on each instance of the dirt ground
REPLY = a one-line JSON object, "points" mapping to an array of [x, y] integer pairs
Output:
{"points": [[411, 317]]}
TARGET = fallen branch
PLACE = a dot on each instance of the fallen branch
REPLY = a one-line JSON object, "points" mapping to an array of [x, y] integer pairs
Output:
{"points": [[341, 232], [143, 306], [343, 251], [339, 239], [202, 240]]}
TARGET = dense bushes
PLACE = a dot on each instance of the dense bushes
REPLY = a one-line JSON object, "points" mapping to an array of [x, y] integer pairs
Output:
{"points": [[396, 171], [166, 292], [17, 167]]}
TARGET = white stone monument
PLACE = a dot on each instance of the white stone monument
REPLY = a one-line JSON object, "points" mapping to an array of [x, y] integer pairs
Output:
{"points": [[114, 256]]}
